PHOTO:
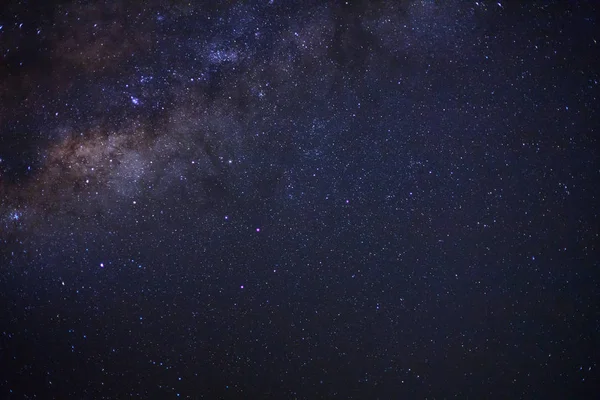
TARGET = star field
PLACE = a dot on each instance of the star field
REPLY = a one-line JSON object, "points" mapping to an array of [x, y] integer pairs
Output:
{"points": [[274, 199]]}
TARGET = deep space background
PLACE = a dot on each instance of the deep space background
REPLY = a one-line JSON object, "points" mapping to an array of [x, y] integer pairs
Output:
{"points": [[299, 199]]}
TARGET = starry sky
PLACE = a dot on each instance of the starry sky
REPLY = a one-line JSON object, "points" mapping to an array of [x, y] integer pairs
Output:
{"points": [[299, 199]]}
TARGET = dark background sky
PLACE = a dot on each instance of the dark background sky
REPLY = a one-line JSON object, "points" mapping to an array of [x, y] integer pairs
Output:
{"points": [[281, 199]]}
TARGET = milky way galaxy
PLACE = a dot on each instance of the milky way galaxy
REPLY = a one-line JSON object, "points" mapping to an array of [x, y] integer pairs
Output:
{"points": [[276, 199]]}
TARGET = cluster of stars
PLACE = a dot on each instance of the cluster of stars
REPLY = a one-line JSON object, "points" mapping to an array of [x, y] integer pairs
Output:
{"points": [[335, 200]]}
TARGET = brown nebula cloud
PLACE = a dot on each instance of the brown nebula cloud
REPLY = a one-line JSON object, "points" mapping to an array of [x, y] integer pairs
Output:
{"points": [[104, 170], [98, 36]]}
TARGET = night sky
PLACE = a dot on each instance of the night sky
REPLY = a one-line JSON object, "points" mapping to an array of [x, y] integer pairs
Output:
{"points": [[299, 199]]}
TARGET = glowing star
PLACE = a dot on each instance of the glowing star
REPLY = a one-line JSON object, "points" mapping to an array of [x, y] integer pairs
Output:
{"points": [[135, 101], [101, 265]]}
